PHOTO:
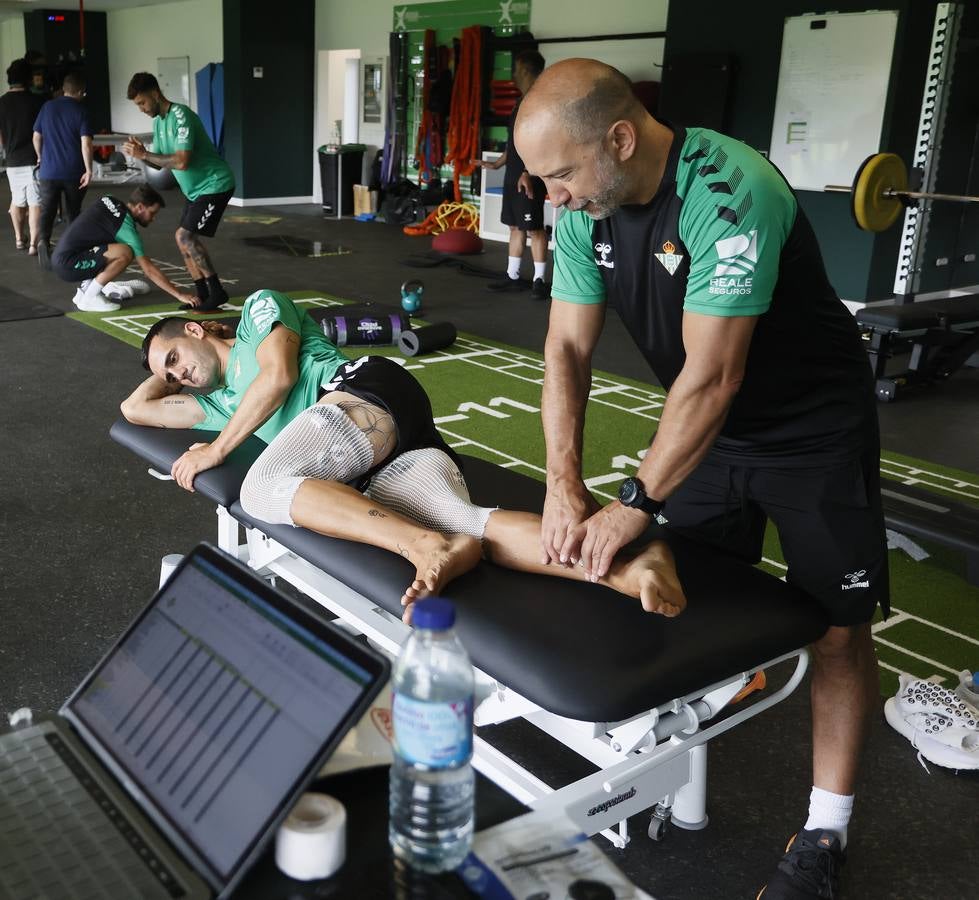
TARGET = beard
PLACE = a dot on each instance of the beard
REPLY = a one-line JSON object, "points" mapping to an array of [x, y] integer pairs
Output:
{"points": [[612, 189]]}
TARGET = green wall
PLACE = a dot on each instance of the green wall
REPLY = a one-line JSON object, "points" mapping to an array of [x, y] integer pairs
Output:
{"points": [[269, 120], [861, 265]]}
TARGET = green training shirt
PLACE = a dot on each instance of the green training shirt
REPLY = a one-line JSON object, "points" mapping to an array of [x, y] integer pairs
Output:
{"points": [[724, 236], [318, 362], [106, 222], [182, 129]]}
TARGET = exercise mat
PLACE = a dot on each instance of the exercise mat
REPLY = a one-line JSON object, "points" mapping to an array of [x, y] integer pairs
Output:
{"points": [[16, 307], [428, 339]]}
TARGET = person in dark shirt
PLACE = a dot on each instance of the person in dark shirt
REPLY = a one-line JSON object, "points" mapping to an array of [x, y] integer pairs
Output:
{"points": [[18, 110], [63, 142], [98, 246], [523, 196], [702, 247]]}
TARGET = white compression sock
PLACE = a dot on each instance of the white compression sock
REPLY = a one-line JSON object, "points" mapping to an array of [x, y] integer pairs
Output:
{"points": [[829, 812], [539, 269], [513, 267]]}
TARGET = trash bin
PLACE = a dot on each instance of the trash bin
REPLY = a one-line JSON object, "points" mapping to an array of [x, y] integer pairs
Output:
{"points": [[351, 161]]}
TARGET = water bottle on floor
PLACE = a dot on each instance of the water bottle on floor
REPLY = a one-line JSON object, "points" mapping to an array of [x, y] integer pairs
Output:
{"points": [[431, 800]]}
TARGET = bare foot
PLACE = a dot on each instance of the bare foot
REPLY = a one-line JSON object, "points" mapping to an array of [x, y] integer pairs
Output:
{"points": [[438, 559], [651, 577]]}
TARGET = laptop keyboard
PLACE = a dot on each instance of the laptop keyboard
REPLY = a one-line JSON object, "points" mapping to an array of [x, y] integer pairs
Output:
{"points": [[61, 836]]}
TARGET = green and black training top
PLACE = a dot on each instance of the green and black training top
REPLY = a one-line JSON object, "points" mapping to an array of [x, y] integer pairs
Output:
{"points": [[725, 236]]}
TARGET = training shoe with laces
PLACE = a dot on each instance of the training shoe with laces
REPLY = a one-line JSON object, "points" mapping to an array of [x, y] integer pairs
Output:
{"points": [[123, 290], [540, 289], [941, 725], [98, 303], [810, 868], [507, 284]]}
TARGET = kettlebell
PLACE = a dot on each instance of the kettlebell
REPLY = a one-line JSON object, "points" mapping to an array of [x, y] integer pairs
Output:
{"points": [[411, 296]]}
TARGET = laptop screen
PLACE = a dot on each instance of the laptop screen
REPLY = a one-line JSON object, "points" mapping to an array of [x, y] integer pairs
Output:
{"points": [[215, 703]]}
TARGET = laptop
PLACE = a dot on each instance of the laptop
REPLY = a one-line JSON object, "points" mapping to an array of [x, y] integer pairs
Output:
{"points": [[175, 760]]}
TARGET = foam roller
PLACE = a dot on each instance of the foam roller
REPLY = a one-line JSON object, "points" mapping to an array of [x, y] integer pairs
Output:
{"points": [[364, 331], [427, 340]]}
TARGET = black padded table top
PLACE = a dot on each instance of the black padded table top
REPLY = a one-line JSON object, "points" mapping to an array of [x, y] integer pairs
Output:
{"points": [[926, 314], [161, 447], [576, 649], [582, 650]]}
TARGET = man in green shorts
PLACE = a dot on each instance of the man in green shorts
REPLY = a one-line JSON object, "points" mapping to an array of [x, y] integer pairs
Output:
{"points": [[704, 251], [181, 145], [101, 242]]}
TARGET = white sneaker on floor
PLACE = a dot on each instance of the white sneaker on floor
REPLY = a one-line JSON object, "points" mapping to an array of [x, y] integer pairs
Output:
{"points": [[941, 726], [968, 688], [123, 290], [98, 303]]}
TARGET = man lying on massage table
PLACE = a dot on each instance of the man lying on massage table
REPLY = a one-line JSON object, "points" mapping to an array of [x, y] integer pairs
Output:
{"points": [[334, 428]]}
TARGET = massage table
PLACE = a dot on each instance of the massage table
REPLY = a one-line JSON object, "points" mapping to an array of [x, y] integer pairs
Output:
{"points": [[638, 695]]}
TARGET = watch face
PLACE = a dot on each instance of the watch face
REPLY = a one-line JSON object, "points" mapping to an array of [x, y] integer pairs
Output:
{"points": [[628, 492]]}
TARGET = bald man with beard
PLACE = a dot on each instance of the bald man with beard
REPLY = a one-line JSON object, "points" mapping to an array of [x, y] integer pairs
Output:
{"points": [[702, 246]]}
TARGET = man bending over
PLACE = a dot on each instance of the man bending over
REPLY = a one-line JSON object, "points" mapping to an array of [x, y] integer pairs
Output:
{"points": [[334, 426], [99, 245], [181, 144]]}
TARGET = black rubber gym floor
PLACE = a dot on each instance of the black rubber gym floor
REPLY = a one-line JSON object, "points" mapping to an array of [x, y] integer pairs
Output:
{"points": [[82, 530]]}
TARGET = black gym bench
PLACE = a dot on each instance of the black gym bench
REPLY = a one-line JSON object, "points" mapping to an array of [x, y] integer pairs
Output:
{"points": [[940, 335], [931, 517]]}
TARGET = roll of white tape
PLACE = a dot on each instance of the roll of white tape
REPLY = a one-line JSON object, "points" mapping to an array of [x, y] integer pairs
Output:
{"points": [[312, 841]]}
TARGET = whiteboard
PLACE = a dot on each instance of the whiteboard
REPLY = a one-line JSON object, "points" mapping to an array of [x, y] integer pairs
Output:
{"points": [[832, 87], [173, 73]]}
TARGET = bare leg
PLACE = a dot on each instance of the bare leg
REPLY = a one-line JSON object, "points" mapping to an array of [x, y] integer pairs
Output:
{"points": [[538, 245], [17, 218], [512, 539], [195, 255], [117, 256], [518, 240], [337, 510], [845, 693], [34, 219]]}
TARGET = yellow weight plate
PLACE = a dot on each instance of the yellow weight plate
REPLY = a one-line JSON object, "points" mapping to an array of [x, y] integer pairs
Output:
{"points": [[872, 210]]}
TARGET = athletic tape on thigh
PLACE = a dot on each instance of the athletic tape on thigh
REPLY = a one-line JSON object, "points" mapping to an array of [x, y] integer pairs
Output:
{"points": [[427, 486], [321, 443]]}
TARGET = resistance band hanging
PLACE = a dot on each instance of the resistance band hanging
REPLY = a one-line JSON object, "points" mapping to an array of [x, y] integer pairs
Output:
{"points": [[467, 92]]}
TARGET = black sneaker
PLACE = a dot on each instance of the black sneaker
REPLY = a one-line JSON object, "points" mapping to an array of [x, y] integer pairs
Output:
{"points": [[540, 289], [506, 284], [210, 304], [809, 870], [44, 255]]}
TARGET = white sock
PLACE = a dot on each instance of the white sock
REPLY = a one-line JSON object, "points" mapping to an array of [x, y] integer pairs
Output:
{"points": [[513, 267], [829, 812], [539, 269], [92, 289]]}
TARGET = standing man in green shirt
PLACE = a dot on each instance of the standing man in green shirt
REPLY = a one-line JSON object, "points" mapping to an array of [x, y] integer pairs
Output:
{"points": [[181, 144], [99, 245]]}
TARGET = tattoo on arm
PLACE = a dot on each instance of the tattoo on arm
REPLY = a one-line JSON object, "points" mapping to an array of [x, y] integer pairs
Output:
{"points": [[377, 513], [403, 551]]}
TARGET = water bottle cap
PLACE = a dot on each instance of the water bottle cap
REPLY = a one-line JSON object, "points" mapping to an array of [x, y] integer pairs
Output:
{"points": [[435, 613]]}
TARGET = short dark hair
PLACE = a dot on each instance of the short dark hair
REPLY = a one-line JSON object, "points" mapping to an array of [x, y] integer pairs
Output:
{"points": [[532, 61], [168, 328], [146, 195], [74, 82], [141, 83], [19, 72]]}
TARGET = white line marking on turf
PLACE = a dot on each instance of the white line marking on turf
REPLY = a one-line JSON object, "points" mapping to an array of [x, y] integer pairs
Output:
{"points": [[914, 655], [942, 628]]}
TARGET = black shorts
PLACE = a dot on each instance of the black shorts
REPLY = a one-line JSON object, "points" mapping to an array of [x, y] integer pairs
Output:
{"points": [[201, 216], [384, 383], [829, 519], [80, 265], [519, 210]]}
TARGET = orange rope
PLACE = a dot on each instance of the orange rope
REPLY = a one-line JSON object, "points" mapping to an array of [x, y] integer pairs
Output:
{"points": [[445, 216], [463, 134]]}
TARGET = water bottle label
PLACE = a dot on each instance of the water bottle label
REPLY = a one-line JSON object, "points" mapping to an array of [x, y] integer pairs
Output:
{"points": [[437, 735]]}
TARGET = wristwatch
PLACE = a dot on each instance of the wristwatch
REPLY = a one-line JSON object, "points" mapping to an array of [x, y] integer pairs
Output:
{"points": [[633, 494]]}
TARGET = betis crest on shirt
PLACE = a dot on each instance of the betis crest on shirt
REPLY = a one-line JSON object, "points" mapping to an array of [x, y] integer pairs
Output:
{"points": [[669, 257]]}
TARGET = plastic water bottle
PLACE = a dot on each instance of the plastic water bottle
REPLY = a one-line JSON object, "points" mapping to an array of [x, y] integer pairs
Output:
{"points": [[431, 799]]}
